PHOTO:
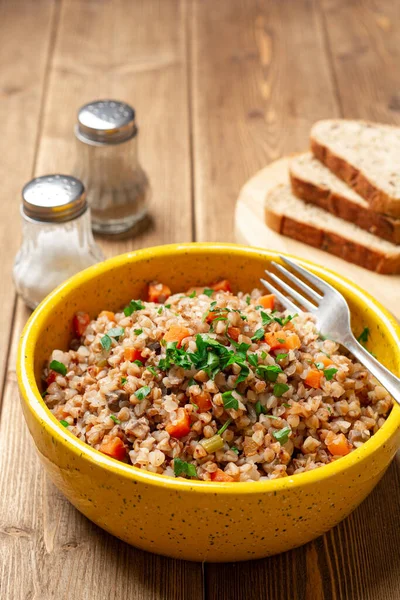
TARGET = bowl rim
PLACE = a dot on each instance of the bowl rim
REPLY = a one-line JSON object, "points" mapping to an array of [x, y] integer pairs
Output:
{"points": [[31, 396]]}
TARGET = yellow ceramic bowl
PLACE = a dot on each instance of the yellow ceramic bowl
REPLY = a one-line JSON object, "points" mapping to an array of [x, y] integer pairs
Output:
{"points": [[176, 517]]}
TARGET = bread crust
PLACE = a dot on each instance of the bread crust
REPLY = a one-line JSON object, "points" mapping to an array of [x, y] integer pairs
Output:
{"points": [[378, 200], [380, 225], [333, 243]]}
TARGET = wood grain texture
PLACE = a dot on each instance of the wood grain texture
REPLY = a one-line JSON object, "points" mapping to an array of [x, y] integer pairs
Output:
{"points": [[364, 46], [26, 43], [136, 52], [259, 77]]}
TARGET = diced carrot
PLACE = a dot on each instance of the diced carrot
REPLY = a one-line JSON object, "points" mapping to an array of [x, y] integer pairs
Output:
{"points": [[267, 301], [339, 445], [215, 314], [133, 354], [158, 292], [107, 313], [234, 333], [282, 339], [203, 401], [325, 360], [220, 475], [176, 333], [51, 377], [80, 322], [114, 448], [221, 286], [313, 378], [180, 426]]}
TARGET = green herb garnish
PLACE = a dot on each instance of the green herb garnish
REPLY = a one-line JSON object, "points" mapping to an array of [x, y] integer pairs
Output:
{"points": [[286, 405], [259, 334], [58, 367], [266, 318], [208, 292], [185, 468], [167, 305], [229, 401], [138, 363], [234, 449], [280, 389], [114, 418], [320, 365], [160, 310], [152, 370], [123, 380], [253, 359], [64, 423], [138, 331], [282, 435], [329, 373], [263, 355], [364, 336], [142, 392], [116, 332], [224, 426], [248, 299], [268, 372], [260, 409], [106, 342], [193, 294], [194, 405], [281, 356], [281, 340], [132, 307]]}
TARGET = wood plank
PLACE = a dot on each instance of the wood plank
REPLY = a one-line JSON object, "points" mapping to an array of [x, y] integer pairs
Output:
{"points": [[260, 78], [136, 52], [364, 45], [22, 81]]}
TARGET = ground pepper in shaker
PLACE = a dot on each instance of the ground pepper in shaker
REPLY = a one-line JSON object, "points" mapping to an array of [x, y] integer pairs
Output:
{"points": [[107, 162], [57, 236]]}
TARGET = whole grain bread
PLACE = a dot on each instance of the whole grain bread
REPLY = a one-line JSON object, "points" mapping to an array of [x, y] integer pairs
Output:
{"points": [[366, 156], [313, 182], [290, 216]]}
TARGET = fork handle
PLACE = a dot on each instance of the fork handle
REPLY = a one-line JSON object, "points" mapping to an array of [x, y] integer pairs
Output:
{"points": [[389, 381]]}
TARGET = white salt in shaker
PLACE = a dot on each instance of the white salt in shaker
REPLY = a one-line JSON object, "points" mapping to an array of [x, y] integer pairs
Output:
{"points": [[107, 162], [57, 236]]}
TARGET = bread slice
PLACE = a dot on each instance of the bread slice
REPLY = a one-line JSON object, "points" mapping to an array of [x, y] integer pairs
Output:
{"points": [[290, 216], [366, 156], [313, 182]]}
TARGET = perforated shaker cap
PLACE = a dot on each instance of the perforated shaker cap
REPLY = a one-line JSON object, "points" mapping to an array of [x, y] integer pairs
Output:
{"points": [[54, 198], [105, 122]]}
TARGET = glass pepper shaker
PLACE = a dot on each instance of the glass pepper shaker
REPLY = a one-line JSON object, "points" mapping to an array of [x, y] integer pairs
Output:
{"points": [[107, 162], [57, 236]]}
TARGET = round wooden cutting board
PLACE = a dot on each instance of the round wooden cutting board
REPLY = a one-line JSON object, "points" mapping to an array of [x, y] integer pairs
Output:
{"points": [[251, 230]]}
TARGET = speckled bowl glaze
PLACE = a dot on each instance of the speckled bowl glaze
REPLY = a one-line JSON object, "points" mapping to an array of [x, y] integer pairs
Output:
{"points": [[176, 517]]}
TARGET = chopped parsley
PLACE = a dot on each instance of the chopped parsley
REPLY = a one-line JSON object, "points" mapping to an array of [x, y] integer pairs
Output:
{"points": [[194, 405], [285, 320], [260, 409], [281, 340], [152, 370], [286, 405], [44, 394], [281, 356], [248, 300], [138, 363], [192, 295], [64, 423], [58, 367], [282, 435], [253, 359], [208, 292], [224, 426], [234, 449], [364, 336], [280, 389], [266, 318], [160, 310], [106, 342], [329, 373], [259, 334], [123, 380], [185, 468], [114, 418], [269, 372], [142, 392], [229, 401], [263, 355], [137, 331], [132, 307], [167, 305], [116, 332]]}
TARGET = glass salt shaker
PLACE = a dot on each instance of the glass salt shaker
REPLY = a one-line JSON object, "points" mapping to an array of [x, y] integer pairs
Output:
{"points": [[107, 162], [57, 236]]}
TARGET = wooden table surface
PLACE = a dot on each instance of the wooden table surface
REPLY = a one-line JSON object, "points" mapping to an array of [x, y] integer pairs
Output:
{"points": [[221, 88]]}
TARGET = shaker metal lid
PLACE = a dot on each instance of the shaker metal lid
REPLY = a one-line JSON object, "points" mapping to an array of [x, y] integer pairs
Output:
{"points": [[106, 122], [54, 198]]}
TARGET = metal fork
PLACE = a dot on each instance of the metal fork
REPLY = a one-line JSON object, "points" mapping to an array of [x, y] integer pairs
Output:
{"points": [[332, 314]]}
